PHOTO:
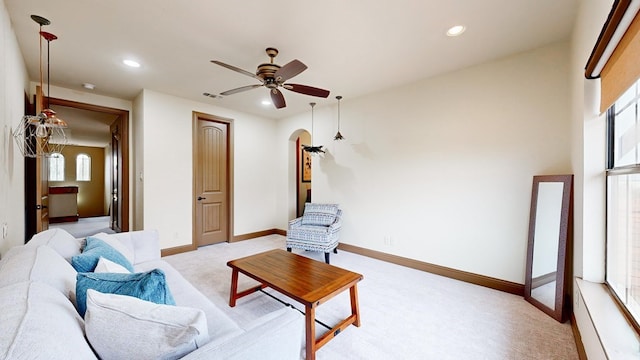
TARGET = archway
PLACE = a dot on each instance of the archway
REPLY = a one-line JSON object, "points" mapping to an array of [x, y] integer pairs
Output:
{"points": [[299, 173]]}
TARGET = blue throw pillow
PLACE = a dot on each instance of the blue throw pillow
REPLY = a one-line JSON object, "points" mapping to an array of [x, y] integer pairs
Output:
{"points": [[150, 286], [91, 254]]}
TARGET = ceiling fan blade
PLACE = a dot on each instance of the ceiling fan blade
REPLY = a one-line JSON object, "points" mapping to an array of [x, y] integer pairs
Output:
{"points": [[240, 89], [277, 98], [289, 70], [237, 69], [307, 90]]}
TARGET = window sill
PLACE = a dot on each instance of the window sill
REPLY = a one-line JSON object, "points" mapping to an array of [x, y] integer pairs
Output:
{"points": [[617, 337]]}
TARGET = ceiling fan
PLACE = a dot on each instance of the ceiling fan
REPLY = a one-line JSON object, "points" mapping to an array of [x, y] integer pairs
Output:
{"points": [[273, 76]]}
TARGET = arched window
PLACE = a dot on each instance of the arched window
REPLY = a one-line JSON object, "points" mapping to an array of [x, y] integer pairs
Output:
{"points": [[56, 167], [83, 167]]}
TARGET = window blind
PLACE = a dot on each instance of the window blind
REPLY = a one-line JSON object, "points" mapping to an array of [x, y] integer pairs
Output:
{"points": [[614, 58]]}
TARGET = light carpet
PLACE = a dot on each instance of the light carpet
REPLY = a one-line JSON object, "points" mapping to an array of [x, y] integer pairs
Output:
{"points": [[405, 313], [85, 226]]}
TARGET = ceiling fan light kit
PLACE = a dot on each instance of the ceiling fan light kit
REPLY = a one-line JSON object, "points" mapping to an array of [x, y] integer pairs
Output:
{"points": [[338, 134], [42, 134], [311, 149], [273, 76]]}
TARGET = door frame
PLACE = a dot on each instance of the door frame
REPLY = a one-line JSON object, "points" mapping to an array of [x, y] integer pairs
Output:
{"points": [[123, 119], [230, 189]]}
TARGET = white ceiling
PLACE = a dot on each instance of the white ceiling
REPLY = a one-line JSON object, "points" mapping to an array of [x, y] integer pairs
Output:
{"points": [[351, 47]]}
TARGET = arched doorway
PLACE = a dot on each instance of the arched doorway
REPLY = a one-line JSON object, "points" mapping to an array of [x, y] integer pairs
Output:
{"points": [[300, 177]]}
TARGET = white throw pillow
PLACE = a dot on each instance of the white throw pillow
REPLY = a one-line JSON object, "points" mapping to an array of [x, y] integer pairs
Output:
{"points": [[116, 244], [59, 240], [119, 326], [108, 266]]}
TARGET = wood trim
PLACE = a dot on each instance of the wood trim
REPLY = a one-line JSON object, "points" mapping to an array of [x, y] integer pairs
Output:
{"points": [[63, 219], [258, 234], [123, 118], [486, 281], [177, 250], [618, 10], [582, 354], [63, 189]]}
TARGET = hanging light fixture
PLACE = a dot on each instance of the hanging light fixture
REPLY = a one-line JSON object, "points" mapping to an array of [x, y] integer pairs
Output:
{"points": [[338, 135], [42, 134], [310, 148]]}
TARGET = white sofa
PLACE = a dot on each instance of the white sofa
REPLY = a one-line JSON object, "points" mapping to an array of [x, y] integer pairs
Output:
{"points": [[39, 320]]}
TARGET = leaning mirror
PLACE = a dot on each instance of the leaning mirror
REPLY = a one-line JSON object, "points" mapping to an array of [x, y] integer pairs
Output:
{"points": [[548, 246]]}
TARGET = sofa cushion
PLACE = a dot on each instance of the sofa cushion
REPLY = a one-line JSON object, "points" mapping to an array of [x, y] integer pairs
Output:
{"points": [[59, 240], [39, 322], [150, 286], [220, 325], [92, 252], [108, 266], [41, 264], [113, 241], [319, 214], [148, 330]]}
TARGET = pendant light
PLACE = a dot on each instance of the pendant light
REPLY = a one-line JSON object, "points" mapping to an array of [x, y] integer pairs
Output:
{"points": [[338, 135], [42, 134], [310, 148]]}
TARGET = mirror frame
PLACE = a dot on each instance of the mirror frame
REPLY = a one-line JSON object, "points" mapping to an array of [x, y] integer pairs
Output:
{"points": [[563, 271]]}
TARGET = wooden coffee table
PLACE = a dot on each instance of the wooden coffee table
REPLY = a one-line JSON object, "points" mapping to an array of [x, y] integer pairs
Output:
{"points": [[307, 281]]}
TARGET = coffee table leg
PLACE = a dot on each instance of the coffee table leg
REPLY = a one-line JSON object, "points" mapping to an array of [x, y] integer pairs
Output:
{"points": [[310, 319], [234, 288], [355, 309]]}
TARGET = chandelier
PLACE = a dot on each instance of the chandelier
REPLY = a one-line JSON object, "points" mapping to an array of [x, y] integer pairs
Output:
{"points": [[42, 134]]}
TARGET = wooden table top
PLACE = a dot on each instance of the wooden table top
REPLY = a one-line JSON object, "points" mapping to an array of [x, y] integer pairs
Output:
{"points": [[305, 280]]}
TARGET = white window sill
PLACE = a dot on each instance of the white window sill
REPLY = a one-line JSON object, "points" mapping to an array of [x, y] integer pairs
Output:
{"points": [[617, 337]]}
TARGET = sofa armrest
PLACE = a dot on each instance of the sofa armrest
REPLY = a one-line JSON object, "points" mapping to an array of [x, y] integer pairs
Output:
{"points": [[277, 336], [145, 244]]}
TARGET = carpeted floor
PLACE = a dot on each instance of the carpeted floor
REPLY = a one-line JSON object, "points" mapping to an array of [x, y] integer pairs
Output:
{"points": [[406, 313], [85, 226]]}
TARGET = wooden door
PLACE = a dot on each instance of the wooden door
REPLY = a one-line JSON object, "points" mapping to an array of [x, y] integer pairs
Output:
{"points": [[41, 179], [116, 180], [211, 169]]}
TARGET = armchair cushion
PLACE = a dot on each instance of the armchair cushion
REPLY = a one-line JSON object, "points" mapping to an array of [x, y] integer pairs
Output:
{"points": [[319, 214]]}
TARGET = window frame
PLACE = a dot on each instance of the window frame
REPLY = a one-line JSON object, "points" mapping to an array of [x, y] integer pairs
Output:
{"points": [[56, 155], [610, 171], [79, 162]]}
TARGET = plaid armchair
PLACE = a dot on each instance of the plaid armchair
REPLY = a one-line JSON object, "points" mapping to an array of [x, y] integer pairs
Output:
{"points": [[317, 230]]}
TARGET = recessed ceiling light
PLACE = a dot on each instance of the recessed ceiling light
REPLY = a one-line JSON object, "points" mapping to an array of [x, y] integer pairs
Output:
{"points": [[456, 30], [266, 102], [131, 63]]}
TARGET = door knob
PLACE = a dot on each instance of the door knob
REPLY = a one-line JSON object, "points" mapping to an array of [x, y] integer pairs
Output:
{"points": [[201, 198]]}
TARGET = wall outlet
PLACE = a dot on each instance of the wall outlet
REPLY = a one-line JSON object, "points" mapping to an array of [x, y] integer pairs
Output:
{"points": [[388, 240], [5, 230]]}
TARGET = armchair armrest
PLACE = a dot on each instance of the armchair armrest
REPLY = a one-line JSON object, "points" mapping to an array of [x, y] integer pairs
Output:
{"points": [[336, 226], [295, 222], [276, 336]]}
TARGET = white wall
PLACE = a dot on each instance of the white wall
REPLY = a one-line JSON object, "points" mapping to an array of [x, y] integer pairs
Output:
{"points": [[444, 166], [588, 162], [588, 151], [168, 168], [13, 85]]}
